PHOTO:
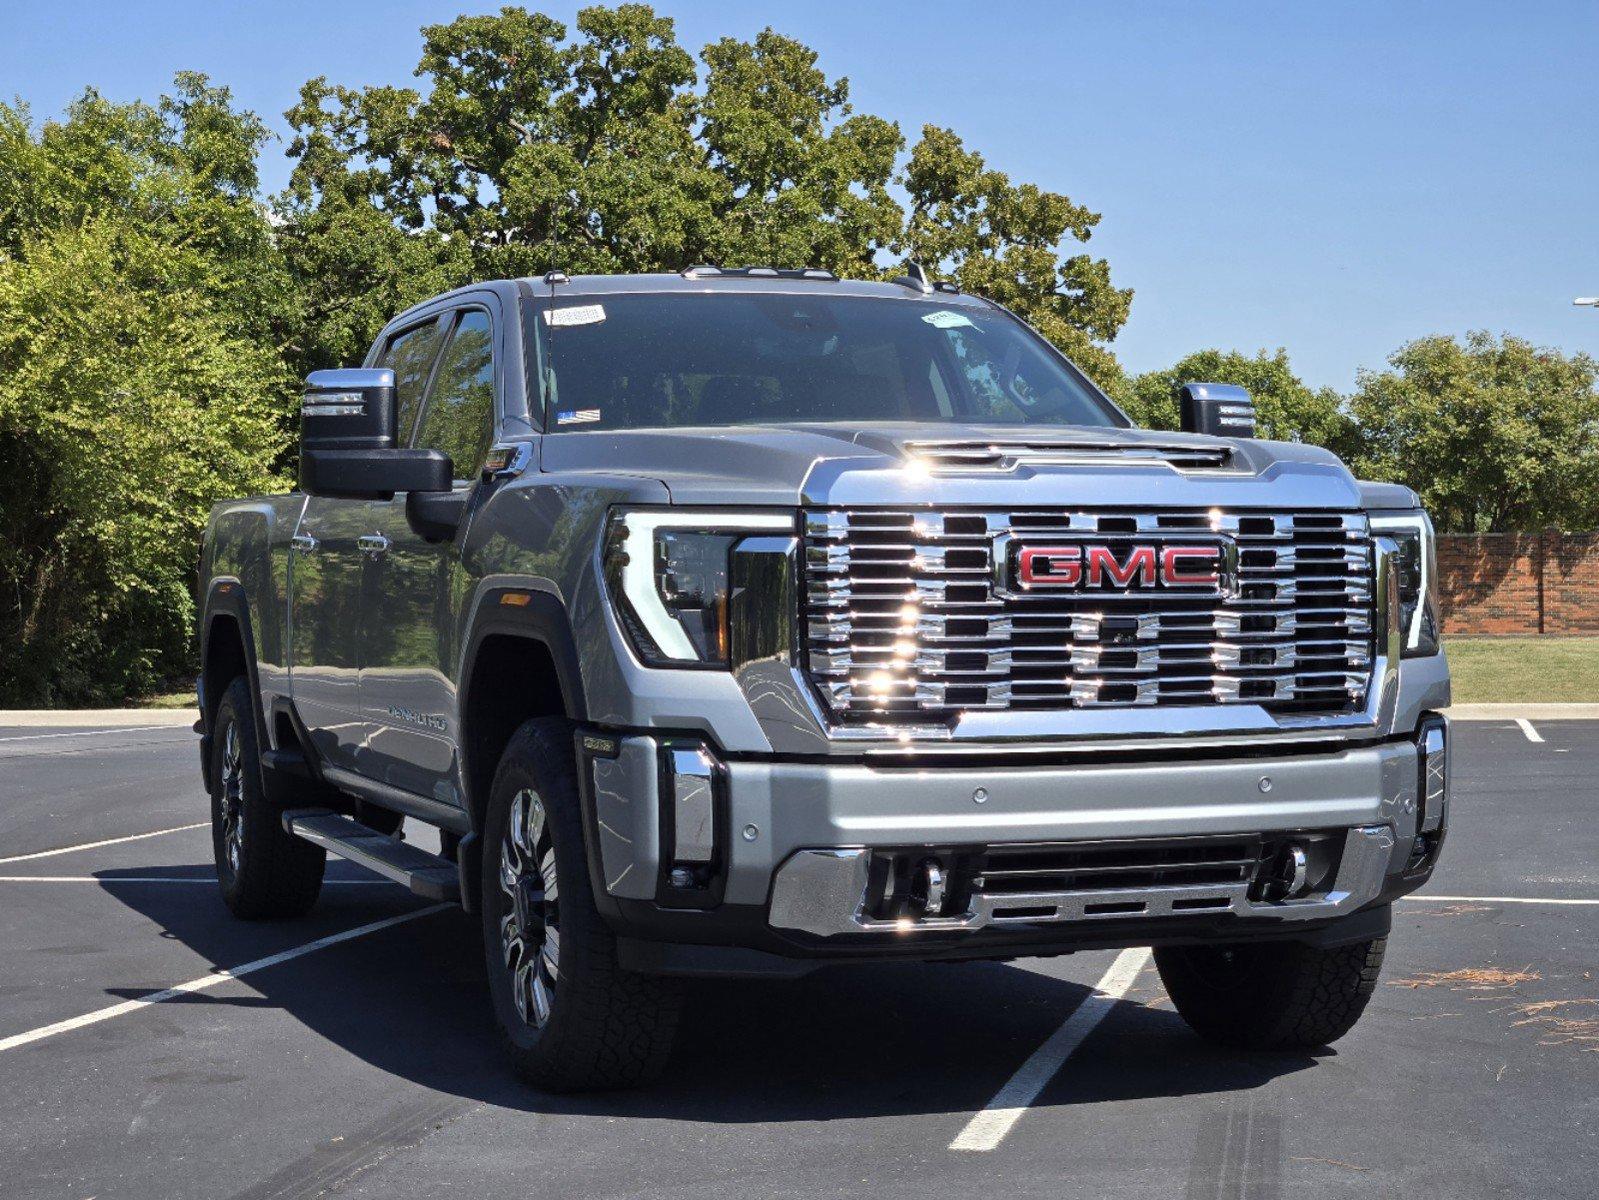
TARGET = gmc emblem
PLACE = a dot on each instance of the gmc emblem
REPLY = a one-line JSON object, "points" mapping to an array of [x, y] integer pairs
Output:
{"points": [[1205, 568]]}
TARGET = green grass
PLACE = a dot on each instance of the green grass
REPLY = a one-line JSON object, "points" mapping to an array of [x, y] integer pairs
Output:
{"points": [[1524, 669], [168, 700]]}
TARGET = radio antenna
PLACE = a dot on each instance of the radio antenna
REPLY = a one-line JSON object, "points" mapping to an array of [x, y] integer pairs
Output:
{"points": [[552, 277]]}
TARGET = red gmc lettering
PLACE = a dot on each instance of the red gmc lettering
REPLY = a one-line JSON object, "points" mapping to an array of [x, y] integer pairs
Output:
{"points": [[1103, 566], [1099, 566], [1190, 566], [1053, 567]]}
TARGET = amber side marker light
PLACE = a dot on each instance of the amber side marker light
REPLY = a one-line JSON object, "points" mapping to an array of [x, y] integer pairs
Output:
{"points": [[516, 599]]}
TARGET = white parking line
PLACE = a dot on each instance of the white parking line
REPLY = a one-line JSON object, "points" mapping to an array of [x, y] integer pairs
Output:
{"points": [[1498, 900], [210, 880], [1526, 727], [206, 982], [40, 737], [132, 837], [989, 1127]]}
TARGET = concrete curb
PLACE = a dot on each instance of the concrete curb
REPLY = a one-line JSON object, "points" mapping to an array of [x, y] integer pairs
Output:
{"points": [[1525, 712], [110, 718]]}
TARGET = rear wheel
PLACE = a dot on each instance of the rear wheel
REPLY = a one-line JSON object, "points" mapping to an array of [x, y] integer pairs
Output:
{"points": [[1271, 995], [573, 1020], [264, 870]]}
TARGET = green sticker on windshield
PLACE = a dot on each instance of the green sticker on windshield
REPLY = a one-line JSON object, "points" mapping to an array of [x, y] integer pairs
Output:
{"points": [[945, 319]]}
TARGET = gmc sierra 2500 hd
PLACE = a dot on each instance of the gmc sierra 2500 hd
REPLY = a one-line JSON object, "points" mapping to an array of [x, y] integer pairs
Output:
{"points": [[740, 621]]}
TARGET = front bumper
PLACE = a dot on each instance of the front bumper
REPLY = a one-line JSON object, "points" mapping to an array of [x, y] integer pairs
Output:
{"points": [[779, 855]]}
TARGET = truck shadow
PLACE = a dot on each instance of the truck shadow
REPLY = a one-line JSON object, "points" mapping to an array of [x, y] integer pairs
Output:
{"points": [[843, 1042]]}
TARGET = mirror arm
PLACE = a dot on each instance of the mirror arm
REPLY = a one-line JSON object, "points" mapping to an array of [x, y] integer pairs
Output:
{"points": [[436, 516]]}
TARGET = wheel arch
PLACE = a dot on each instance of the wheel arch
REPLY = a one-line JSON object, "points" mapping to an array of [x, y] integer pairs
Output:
{"points": [[227, 649], [519, 661]]}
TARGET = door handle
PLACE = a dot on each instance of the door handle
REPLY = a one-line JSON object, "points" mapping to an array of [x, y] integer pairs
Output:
{"points": [[373, 543], [304, 543]]}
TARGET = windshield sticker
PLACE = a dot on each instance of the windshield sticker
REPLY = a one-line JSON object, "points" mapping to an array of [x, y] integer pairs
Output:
{"points": [[944, 319], [580, 416], [578, 314]]}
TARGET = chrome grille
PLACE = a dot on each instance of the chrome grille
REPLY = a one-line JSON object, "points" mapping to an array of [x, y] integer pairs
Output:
{"points": [[904, 620]]}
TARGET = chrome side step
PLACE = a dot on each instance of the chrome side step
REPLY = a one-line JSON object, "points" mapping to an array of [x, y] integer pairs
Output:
{"points": [[428, 875]]}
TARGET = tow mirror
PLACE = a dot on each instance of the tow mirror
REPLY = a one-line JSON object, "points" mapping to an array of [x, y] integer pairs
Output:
{"points": [[349, 440], [1219, 409]]}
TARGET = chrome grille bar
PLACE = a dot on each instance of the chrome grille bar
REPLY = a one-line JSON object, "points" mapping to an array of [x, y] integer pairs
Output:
{"points": [[904, 619]]}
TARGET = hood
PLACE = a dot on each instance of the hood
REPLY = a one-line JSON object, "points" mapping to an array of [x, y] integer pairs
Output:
{"points": [[902, 463]]}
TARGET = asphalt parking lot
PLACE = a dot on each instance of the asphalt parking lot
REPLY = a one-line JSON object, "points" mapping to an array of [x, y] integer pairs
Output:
{"points": [[366, 1065]]}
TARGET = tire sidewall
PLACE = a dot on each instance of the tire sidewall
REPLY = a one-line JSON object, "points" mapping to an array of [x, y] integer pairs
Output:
{"points": [[279, 875], [229, 714], [521, 770]]}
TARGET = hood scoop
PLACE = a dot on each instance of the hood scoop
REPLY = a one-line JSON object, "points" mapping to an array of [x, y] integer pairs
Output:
{"points": [[1006, 456]]}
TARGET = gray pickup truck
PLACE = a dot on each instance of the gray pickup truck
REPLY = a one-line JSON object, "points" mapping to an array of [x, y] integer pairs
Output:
{"points": [[736, 622]]}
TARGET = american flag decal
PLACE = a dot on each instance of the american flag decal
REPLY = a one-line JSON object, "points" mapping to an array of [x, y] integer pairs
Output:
{"points": [[581, 416]]}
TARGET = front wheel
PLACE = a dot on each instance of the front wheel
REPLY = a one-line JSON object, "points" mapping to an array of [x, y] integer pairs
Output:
{"points": [[573, 1019], [1271, 995]]}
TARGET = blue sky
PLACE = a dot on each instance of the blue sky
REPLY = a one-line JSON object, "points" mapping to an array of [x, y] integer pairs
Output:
{"points": [[1334, 179]]}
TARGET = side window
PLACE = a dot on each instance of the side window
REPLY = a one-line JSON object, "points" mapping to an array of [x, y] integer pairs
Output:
{"points": [[459, 418], [411, 355]]}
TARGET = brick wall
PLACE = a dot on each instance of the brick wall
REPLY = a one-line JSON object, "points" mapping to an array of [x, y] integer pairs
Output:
{"points": [[1519, 583]]}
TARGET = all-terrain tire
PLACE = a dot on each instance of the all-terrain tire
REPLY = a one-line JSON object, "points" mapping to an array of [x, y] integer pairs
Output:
{"points": [[1271, 995], [264, 871], [584, 1022]]}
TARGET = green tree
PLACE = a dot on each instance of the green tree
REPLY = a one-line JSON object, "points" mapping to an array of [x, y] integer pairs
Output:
{"points": [[1495, 434], [607, 152], [1286, 408], [140, 299]]}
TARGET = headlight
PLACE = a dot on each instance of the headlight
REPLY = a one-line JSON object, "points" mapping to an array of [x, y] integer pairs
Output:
{"points": [[1418, 578], [667, 573]]}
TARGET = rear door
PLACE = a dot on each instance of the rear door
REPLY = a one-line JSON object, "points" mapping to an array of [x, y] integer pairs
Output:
{"points": [[412, 603], [333, 550]]}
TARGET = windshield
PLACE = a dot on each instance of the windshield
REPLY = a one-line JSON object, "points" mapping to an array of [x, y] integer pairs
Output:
{"points": [[633, 361]]}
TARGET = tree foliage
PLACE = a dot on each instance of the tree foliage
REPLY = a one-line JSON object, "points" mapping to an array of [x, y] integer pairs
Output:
{"points": [[139, 380], [1286, 408], [612, 150], [1495, 434]]}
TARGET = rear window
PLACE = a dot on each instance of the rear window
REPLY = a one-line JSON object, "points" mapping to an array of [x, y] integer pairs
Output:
{"points": [[634, 361]]}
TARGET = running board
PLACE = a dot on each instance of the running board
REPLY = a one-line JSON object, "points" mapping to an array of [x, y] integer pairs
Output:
{"points": [[428, 875]]}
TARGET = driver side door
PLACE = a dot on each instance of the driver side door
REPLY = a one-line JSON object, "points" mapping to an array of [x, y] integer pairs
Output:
{"points": [[408, 665], [333, 550]]}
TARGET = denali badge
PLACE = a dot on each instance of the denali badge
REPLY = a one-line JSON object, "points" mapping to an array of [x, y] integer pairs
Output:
{"points": [[1197, 567], [412, 717]]}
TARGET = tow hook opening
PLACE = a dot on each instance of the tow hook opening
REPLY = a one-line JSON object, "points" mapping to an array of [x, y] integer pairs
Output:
{"points": [[918, 885], [927, 889], [1289, 875]]}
